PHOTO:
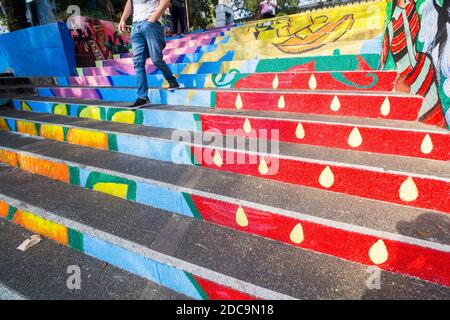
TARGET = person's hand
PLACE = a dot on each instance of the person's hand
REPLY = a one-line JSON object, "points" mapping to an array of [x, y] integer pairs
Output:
{"points": [[152, 19], [122, 26]]}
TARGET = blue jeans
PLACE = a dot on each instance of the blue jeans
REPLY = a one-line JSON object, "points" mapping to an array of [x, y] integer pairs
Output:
{"points": [[148, 41]]}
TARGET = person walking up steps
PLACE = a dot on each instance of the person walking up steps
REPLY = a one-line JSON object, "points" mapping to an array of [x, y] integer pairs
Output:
{"points": [[147, 38], [177, 12], [268, 8]]}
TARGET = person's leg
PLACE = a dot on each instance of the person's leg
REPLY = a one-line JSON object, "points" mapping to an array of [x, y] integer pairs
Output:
{"points": [[156, 43], [182, 19], [173, 14], [140, 54]]}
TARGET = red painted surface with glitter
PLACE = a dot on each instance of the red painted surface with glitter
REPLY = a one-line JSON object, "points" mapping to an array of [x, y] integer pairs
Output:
{"points": [[368, 106], [425, 263], [378, 140], [433, 194], [325, 81]]}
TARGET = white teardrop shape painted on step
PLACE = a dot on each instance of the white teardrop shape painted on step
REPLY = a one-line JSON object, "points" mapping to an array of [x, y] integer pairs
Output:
{"points": [[427, 145], [385, 107], [312, 82], [247, 126], [297, 235], [263, 168], [241, 217], [281, 103], [275, 82], [335, 104], [300, 131], [355, 139], [326, 178], [217, 159], [408, 190], [378, 253], [239, 104]]}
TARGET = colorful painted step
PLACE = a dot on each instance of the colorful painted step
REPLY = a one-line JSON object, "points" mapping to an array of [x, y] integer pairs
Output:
{"points": [[421, 183], [365, 231], [339, 103], [352, 80], [314, 63], [370, 135], [201, 260], [42, 267]]}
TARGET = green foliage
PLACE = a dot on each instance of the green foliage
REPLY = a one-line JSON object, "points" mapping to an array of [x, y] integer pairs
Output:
{"points": [[201, 14], [15, 14]]}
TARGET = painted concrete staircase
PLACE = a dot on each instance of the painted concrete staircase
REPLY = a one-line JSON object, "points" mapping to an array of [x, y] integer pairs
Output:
{"points": [[349, 179]]}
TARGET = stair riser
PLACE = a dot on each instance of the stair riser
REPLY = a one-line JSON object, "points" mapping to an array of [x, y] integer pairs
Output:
{"points": [[298, 64], [354, 105], [378, 140], [165, 275], [376, 81], [342, 241]]}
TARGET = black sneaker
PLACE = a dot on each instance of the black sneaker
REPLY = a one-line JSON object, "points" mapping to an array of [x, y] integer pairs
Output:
{"points": [[140, 102], [174, 86]]}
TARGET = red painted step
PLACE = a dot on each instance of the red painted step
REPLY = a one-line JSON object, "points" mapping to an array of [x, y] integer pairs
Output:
{"points": [[352, 134], [368, 105], [365, 176]]}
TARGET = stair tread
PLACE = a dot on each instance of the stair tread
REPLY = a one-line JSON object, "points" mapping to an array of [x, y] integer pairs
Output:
{"points": [[337, 210], [356, 121], [262, 91], [284, 269], [41, 272], [372, 161]]}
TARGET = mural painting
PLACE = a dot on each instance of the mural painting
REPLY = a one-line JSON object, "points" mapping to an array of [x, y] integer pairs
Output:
{"points": [[417, 44], [98, 40]]}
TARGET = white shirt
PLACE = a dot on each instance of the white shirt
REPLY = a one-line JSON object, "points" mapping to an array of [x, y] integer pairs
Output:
{"points": [[143, 9]]}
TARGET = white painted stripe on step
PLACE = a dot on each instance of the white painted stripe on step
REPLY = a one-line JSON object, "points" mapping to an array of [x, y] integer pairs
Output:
{"points": [[227, 281], [283, 212], [7, 293]]}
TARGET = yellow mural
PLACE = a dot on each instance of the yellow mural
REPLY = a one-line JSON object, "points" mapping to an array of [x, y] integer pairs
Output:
{"points": [[27, 128], [347, 28], [52, 132], [309, 38], [88, 138], [367, 16], [114, 189], [91, 112], [124, 117], [4, 209], [41, 226]]}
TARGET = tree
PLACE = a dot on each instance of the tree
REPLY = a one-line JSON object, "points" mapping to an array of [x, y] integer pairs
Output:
{"points": [[16, 14], [201, 13]]}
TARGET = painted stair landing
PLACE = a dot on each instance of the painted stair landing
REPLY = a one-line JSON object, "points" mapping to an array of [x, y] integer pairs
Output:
{"points": [[212, 253], [251, 206]]}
